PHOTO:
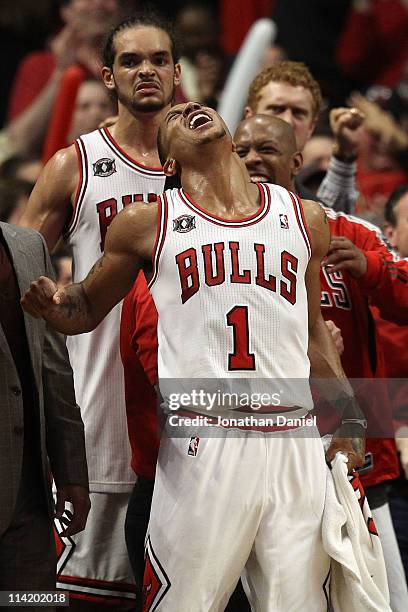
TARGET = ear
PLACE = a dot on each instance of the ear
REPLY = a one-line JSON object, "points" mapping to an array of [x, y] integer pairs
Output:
{"points": [[389, 233], [297, 163], [312, 127], [177, 74], [170, 167], [248, 112], [107, 76]]}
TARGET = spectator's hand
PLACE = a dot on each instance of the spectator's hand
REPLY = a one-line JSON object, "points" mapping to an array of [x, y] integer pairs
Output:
{"points": [[345, 124], [350, 440], [381, 124], [108, 122], [64, 48], [344, 255], [208, 75], [78, 496], [42, 297], [401, 440], [336, 335]]}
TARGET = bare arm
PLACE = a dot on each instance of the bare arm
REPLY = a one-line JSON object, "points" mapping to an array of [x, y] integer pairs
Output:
{"points": [[80, 307], [50, 205], [324, 358], [28, 130]]}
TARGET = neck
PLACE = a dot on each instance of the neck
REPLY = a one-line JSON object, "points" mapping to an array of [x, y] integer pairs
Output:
{"points": [[225, 188], [137, 134]]}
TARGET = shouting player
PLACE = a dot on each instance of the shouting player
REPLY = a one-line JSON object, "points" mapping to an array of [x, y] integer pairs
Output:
{"points": [[238, 498]]}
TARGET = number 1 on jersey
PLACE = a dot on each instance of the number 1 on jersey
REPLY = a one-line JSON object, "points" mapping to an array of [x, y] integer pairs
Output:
{"points": [[241, 358]]}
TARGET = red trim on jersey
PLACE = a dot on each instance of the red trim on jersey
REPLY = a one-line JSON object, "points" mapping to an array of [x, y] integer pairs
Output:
{"points": [[245, 221], [81, 187], [124, 587], [300, 218], [111, 142], [162, 213]]}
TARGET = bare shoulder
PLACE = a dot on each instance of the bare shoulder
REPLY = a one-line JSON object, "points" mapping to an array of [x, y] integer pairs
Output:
{"points": [[59, 177], [63, 166], [314, 213], [134, 230], [50, 205], [318, 226]]}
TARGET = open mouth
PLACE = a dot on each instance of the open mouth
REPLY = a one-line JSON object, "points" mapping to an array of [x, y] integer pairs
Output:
{"points": [[198, 120], [258, 177], [148, 85]]}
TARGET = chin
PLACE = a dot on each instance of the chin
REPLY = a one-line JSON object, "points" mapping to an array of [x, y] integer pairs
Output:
{"points": [[214, 134], [148, 106]]}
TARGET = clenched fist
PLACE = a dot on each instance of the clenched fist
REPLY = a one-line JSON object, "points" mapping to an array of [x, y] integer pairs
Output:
{"points": [[42, 297]]}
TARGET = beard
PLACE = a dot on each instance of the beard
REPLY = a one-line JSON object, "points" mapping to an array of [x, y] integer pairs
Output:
{"points": [[147, 105]]}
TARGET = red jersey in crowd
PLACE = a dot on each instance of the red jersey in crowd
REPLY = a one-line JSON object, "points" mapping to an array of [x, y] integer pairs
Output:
{"points": [[346, 301]]}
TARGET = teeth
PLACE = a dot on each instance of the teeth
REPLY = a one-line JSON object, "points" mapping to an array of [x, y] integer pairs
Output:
{"points": [[196, 117]]}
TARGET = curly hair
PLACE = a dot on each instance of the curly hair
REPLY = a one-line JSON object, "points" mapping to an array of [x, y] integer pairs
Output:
{"points": [[294, 73]]}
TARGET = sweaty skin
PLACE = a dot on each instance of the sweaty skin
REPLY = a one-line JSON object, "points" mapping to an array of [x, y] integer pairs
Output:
{"points": [[130, 239]]}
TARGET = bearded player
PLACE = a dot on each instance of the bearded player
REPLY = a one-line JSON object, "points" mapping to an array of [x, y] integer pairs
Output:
{"points": [[78, 194]]}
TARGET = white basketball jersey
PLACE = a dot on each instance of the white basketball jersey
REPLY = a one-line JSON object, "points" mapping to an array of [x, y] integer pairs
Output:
{"points": [[231, 294], [109, 181]]}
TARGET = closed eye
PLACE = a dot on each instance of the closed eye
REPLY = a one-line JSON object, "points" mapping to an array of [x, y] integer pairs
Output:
{"points": [[172, 115], [242, 152], [268, 151]]}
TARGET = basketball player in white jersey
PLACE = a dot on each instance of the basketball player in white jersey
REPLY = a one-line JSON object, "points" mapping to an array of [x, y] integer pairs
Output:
{"points": [[241, 498], [79, 193]]}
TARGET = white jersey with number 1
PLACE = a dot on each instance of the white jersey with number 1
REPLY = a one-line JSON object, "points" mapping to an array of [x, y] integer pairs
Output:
{"points": [[231, 294]]}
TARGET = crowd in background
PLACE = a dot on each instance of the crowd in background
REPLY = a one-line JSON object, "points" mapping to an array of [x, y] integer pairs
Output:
{"points": [[356, 49], [358, 52]]}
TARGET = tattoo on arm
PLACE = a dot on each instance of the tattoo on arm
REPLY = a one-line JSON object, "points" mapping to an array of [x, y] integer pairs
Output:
{"points": [[77, 303], [97, 266]]}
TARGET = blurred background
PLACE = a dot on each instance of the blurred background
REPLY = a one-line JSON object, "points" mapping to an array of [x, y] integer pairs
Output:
{"points": [[357, 50]]}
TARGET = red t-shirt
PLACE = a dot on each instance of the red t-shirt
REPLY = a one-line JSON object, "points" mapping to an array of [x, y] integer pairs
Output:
{"points": [[32, 75], [346, 301], [138, 348], [394, 343]]}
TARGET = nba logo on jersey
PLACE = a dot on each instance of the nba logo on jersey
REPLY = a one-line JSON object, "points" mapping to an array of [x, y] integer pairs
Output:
{"points": [[183, 224], [193, 446], [104, 167], [284, 223]]}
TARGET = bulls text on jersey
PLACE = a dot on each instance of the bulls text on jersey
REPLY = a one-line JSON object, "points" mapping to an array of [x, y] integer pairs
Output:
{"points": [[228, 269]]}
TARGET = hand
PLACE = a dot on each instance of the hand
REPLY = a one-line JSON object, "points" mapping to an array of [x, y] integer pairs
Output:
{"points": [[345, 124], [42, 297], [64, 47], [336, 336], [344, 255], [78, 496], [401, 440], [380, 124], [350, 440]]}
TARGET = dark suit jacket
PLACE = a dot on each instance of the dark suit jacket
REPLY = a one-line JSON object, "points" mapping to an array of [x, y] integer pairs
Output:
{"points": [[61, 427]]}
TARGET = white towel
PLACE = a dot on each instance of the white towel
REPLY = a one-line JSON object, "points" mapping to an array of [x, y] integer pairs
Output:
{"points": [[358, 581]]}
